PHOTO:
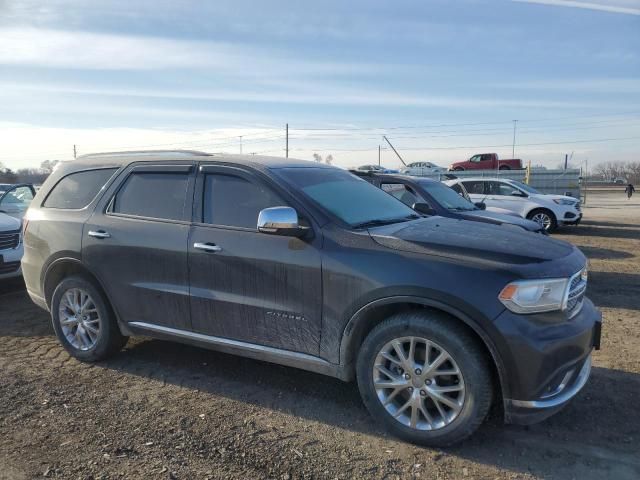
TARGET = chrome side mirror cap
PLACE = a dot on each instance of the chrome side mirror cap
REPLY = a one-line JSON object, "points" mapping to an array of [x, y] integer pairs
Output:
{"points": [[280, 221]]}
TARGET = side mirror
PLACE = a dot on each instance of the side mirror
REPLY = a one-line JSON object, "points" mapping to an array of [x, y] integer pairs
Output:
{"points": [[481, 205], [280, 221], [423, 208], [518, 193]]}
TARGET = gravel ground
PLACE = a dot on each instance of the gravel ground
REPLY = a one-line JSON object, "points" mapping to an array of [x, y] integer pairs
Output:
{"points": [[167, 411]]}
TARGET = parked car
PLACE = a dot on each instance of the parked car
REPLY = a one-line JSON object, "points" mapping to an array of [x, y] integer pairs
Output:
{"points": [[422, 168], [487, 161], [550, 211], [375, 168], [10, 247], [309, 266], [15, 199], [435, 198]]}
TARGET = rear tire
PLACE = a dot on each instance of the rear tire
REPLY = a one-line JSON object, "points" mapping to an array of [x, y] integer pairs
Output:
{"points": [[505, 167], [545, 218], [84, 321], [447, 402]]}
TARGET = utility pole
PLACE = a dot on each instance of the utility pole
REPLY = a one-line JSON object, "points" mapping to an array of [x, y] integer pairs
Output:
{"points": [[394, 150], [513, 148], [584, 178], [378, 155], [75, 154], [286, 148], [240, 144], [566, 160]]}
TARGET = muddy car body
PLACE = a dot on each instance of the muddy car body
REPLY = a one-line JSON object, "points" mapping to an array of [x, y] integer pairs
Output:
{"points": [[306, 265]]}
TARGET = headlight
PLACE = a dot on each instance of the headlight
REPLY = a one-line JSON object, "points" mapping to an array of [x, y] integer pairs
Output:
{"points": [[533, 296], [564, 201]]}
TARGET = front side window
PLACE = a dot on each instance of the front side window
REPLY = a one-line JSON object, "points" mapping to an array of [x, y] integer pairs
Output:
{"points": [[351, 199], [500, 188], [402, 193], [475, 158], [77, 190], [474, 187], [234, 201], [154, 195]]}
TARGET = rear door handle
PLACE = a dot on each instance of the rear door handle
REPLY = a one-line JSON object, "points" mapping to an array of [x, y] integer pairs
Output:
{"points": [[207, 247], [99, 234]]}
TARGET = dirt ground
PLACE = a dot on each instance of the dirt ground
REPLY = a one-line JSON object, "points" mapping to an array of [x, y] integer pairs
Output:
{"points": [[167, 411]]}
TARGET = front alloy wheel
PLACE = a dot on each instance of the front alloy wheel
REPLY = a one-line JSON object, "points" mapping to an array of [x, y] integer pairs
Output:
{"points": [[426, 377], [418, 383]]}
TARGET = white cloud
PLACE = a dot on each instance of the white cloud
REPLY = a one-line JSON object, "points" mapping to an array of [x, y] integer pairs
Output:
{"points": [[313, 94], [603, 6], [27, 46]]}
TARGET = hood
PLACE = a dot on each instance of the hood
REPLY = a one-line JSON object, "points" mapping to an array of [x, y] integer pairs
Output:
{"points": [[8, 224], [499, 218], [468, 240]]}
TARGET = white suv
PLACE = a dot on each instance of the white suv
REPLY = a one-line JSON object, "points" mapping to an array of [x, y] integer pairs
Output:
{"points": [[422, 168], [550, 211]]}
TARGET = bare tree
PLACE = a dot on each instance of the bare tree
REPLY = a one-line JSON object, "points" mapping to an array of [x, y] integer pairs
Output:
{"points": [[317, 157], [48, 165], [328, 159]]}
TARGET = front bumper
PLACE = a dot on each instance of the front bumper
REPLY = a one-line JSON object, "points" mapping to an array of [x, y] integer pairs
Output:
{"points": [[547, 360], [571, 218]]}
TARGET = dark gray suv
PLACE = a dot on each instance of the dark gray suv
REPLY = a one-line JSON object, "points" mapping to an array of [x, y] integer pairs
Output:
{"points": [[309, 266]]}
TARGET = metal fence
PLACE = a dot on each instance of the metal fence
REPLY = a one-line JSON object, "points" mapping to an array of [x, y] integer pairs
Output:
{"points": [[561, 182]]}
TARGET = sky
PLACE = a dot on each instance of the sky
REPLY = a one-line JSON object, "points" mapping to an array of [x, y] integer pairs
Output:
{"points": [[442, 79]]}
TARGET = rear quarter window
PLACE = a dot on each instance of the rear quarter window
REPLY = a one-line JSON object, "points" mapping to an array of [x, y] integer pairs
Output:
{"points": [[77, 190]]}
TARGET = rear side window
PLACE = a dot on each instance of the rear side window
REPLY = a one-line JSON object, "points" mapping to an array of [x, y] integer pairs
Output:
{"points": [[77, 190], [474, 187], [234, 201], [153, 194]]}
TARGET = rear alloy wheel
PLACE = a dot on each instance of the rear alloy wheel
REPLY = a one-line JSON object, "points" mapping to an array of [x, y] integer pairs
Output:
{"points": [[425, 377], [544, 218], [79, 319], [83, 320]]}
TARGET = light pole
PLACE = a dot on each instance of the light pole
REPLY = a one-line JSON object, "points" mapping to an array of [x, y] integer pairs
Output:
{"points": [[513, 148]]}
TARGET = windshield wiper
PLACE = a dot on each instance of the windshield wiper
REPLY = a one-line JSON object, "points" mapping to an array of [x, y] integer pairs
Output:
{"points": [[380, 222]]}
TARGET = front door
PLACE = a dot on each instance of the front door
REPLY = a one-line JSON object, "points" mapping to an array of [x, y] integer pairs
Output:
{"points": [[136, 243], [246, 285]]}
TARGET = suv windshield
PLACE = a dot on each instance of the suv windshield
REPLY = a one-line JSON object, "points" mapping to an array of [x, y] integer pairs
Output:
{"points": [[447, 197], [351, 199]]}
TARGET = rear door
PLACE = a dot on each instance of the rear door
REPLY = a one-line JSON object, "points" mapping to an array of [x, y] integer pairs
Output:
{"points": [[136, 243], [246, 285]]}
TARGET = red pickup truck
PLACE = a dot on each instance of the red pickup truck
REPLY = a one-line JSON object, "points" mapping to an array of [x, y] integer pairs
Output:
{"points": [[487, 161]]}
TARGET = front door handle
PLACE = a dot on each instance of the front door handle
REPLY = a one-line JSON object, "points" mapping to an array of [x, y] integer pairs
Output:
{"points": [[207, 247], [99, 234]]}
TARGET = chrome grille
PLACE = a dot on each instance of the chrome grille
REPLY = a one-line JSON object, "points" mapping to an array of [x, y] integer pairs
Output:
{"points": [[9, 240], [575, 297]]}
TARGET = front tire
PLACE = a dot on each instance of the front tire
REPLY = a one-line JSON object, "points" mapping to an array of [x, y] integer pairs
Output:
{"points": [[545, 218], [84, 321], [425, 378]]}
